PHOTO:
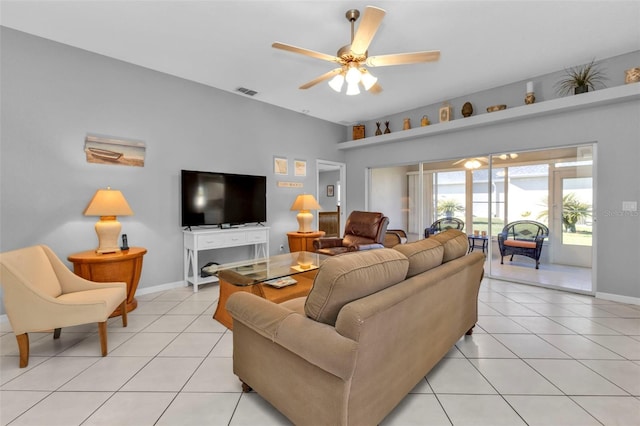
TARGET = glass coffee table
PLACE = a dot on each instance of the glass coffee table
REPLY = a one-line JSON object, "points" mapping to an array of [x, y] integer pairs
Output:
{"points": [[276, 278]]}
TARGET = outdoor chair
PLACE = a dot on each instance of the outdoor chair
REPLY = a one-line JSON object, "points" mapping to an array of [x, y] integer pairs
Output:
{"points": [[443, 224], [524, 238]]}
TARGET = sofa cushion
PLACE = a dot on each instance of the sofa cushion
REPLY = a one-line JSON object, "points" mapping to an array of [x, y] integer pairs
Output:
{"points": [[423, 255], [455, 242], [345, 278]]}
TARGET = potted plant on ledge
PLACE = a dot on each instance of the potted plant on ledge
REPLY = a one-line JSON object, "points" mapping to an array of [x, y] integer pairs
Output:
{"points": [[580, 79]]}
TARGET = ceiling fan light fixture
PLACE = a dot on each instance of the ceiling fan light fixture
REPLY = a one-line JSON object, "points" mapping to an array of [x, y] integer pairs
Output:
{"points": [[353, 75], [511, 156], [472, 164], [352, 88], [367, 79], [336, 82]]}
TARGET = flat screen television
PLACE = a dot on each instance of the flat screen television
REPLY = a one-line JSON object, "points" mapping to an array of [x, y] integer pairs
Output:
{"points": [[222, 198]]}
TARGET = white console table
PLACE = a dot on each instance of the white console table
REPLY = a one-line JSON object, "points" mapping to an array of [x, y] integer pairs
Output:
{"points": [[213, 239]]}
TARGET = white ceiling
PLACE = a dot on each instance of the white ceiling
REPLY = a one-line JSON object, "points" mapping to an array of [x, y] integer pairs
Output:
{"points": [[227, 44]]}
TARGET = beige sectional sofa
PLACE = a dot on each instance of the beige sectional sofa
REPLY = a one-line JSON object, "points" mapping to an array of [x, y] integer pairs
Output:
{"points": [[374, 324]]}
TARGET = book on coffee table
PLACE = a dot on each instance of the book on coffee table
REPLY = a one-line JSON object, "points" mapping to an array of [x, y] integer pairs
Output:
{"points": [[281, 282]]}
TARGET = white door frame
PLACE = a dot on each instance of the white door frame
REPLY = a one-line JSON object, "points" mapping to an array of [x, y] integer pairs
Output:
{"points": [[341, 191]]}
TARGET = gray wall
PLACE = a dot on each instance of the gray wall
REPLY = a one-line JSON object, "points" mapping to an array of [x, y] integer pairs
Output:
{"points": [[614, 128], [52, 95], [389, 195]]}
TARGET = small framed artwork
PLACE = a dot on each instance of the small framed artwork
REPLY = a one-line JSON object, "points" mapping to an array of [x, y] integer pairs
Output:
{"points": [[445, 113], [300, 167], [280, 166], [329, 190]]}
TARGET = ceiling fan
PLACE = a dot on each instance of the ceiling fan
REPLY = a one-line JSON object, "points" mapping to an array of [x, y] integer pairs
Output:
{"points": [[472, 163], [476, 162], [353, 57]]}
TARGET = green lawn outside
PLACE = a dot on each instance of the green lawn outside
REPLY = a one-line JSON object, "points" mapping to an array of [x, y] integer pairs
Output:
{"points": [[583, 236]]}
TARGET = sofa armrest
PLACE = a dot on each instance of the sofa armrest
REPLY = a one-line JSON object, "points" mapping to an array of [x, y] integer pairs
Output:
{"points": [[400, 232], [362, 247], [317, 343], [320, 243]]}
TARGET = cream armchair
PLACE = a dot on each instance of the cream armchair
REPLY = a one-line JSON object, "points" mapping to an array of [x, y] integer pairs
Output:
{"points": [[41, 293]]}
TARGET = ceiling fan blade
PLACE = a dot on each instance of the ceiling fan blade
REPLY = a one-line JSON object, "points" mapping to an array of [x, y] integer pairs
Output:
{"points": [[460, 161], [375, 89], [307, 52], [371, 20], [403, 58], [320, 79]]}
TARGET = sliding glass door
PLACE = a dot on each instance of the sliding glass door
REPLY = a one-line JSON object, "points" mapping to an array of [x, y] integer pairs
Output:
{"points": [[553, 187], [571, 224]]}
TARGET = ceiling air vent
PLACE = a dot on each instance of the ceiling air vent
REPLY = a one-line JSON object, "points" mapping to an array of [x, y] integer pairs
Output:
{"points": [[246, 91]]}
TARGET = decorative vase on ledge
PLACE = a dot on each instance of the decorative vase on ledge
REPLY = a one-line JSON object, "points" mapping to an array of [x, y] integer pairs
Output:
{"points": [[467, 109], [386, 124], [530, 98], [580, 89], [378, 131], [632, 75]]}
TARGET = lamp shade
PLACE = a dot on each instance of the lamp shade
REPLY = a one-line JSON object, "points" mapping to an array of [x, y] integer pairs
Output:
{"points": [[108, 203], [304, 203]]}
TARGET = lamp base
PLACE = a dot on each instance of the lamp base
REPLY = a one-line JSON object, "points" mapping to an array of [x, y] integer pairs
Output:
{"points": [[108, 229], [304, 221]]}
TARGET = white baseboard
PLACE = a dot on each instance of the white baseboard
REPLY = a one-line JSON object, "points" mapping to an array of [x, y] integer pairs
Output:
{"points": [[160, 287], [618, 298]]}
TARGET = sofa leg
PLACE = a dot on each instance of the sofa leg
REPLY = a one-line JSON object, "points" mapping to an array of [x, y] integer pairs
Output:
{"points": [[56, 333], [502, 260], [245, 387], [23, 346], [470, 331], [102, 331]]}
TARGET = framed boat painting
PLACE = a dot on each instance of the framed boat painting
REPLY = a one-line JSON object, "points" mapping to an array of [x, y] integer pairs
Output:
{"points": [[114, 151]]}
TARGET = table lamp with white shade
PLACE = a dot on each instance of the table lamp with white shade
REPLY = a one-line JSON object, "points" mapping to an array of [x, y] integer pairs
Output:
{"points": [[108, 203], [304, 203]]}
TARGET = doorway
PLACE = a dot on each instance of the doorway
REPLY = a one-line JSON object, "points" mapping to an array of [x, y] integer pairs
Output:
{"points": [[571, 225], [331, 195]]}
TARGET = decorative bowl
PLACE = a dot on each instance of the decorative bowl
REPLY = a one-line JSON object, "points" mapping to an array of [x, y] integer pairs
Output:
{"points": [[496, 108]]}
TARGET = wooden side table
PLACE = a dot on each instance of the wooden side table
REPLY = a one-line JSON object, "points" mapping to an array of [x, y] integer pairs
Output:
{"points": [[125, 266], [303, 241]]}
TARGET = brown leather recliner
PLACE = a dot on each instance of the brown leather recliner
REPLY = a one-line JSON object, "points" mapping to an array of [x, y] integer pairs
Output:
{"points": [[362, 231]]}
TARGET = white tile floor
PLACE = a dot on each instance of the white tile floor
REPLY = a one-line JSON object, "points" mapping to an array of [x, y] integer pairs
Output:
{"points": [[537, 357]]}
